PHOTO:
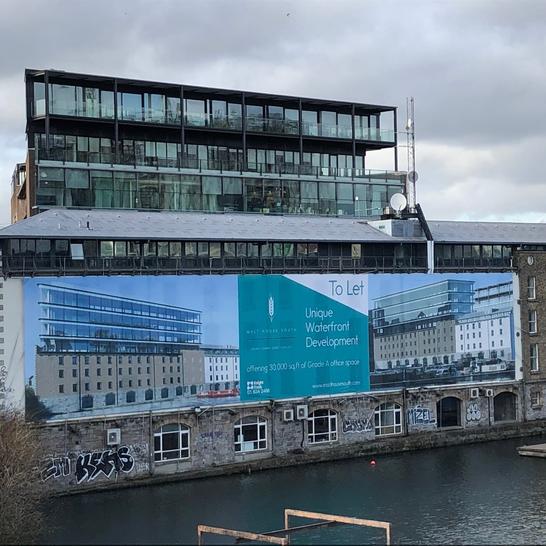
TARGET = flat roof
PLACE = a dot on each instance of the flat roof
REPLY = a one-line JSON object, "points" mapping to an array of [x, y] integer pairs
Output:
{"points": [[61, 74]]}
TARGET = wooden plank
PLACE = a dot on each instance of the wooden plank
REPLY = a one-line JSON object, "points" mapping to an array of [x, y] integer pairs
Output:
{"points": [[296, 528], [339, 519], [257, 537]]}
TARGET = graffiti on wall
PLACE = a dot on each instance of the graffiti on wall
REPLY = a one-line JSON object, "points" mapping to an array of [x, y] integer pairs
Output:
{"points": [[420, 416], [90, 466], [473, 412], [56, 467], [354, 426]]}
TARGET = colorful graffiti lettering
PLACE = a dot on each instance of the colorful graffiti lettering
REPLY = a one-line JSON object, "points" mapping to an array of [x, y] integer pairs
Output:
{"points": [[90, 465], [420, 416]]}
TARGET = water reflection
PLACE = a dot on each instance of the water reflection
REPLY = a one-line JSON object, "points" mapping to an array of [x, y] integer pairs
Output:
{"points": [[482, 493]]}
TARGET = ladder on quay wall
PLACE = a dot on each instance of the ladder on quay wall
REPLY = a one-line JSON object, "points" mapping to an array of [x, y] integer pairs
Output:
{"points": [[276, 537]]}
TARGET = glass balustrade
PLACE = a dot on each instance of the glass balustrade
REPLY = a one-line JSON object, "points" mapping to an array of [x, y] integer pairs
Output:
{"points": [[79, 101]]}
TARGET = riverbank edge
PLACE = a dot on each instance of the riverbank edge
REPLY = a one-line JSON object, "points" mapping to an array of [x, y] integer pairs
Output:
{"points": [[383, 446]]}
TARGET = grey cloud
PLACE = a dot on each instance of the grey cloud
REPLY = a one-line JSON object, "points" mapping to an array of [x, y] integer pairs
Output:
{"points": [[476, 68]]}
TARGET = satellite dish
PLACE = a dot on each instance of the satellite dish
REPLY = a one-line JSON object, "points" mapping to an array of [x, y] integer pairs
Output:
{"points": [[413, 176], [398, 202]]}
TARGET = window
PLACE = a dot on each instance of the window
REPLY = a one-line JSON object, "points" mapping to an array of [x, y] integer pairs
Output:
{"points": [[532, 321], [531, 288], [388, 419], [322, 426], [250, 434], [533, 357], [61, 389], [172, 442]]}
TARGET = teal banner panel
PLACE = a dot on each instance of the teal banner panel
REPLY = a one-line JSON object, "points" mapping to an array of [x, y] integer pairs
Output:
{"points": [[303, 335]]}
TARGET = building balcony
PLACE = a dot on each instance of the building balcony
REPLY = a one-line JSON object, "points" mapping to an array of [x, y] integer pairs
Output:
{"points": [[31, 266], [100, 159]]}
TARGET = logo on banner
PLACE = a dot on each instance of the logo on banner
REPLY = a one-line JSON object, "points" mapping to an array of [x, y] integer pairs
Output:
{"points": [[271, 308]]}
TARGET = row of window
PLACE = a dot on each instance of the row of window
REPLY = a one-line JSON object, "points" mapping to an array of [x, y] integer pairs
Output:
{"points": [[172, 441], [110, 307], [98, 371], [87, 400], [130, 190], [446, 255], [250, 433], [84, 149], [193, 249], [71, 100], [110, 359]]}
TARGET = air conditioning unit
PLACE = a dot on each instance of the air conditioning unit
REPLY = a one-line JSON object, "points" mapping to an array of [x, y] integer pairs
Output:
{"points": [[288, 415], [489, 393], [302, 411], [113, 437], [474, 393]]}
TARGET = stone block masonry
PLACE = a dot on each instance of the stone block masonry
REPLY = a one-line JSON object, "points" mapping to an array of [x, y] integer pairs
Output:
{"points": [[208, 441]]}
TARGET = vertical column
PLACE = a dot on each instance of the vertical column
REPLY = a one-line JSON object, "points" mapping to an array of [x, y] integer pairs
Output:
{"points": [[396, 139], [116, 125], [46, 85], [181, 163], [300, 117], [243, 128], [354, 137]]}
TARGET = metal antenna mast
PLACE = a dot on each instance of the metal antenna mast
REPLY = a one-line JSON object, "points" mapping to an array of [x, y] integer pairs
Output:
{"points": [[410, 140]]}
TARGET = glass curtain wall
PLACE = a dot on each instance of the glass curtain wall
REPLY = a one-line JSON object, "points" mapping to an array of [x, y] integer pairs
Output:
{"points": [[164, 191]]}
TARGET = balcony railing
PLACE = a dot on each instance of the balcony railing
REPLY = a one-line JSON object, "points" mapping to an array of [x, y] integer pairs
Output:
{"points": [[267, 125], [233, 122], [211, 120], [28, 266], [459, 264], [69, 157]]}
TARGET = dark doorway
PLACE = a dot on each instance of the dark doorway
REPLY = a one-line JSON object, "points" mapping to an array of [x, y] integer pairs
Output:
{"points": [[504, 407], [449, 412]]}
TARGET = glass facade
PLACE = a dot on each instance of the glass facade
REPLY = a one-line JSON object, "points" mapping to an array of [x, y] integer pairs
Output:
{"points": [[83, 149], [71, 187], [203, 149], [219, 113], [447, 299], [80, 321]]}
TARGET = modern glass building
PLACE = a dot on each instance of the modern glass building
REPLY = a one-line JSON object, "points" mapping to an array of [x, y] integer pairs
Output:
{"points": [[79, 321], [447, 299], [105, 142]]}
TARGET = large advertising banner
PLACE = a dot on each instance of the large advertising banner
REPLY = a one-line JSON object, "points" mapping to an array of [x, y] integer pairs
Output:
{"points": [[99, 345], [303, 335]]}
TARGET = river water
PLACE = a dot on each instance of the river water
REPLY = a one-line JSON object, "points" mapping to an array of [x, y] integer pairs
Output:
{"points": [[474, 494]]}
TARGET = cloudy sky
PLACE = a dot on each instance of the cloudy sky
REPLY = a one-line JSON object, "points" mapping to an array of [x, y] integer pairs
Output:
{"points": [[477, 70]]}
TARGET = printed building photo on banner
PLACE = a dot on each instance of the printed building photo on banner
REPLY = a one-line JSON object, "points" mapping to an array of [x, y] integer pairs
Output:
{"points": [[101, 345], [97, 343], [430, 329]]}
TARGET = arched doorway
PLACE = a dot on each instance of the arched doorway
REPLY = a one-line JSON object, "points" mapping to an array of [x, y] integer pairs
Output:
{"points": [[448, 411], [504, 407]]}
